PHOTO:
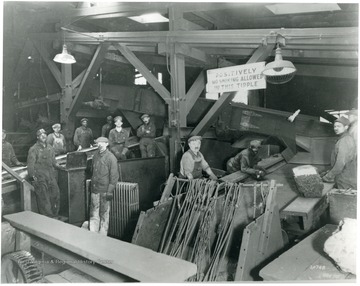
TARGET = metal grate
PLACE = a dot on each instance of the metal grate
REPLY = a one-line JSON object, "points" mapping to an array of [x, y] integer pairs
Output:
{"points": [[124, 210]]}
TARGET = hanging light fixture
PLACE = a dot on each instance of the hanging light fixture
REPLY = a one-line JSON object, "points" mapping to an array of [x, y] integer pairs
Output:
{"points": [[279, 71], [64, 57]]}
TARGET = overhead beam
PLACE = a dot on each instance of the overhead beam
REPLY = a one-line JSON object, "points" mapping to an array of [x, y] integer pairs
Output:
{"points": [[311, 36], [39, 100], [50, 64], [195, 91], [184, 50], [153, 81], [88, 77], [327, 71]]}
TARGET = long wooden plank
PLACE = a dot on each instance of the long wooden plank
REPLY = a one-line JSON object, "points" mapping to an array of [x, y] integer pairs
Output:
{"points": [[139, 263], [304, 260]]}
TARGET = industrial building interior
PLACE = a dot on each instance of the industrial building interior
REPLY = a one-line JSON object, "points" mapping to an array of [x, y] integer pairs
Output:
{"points": [[283, 74]]}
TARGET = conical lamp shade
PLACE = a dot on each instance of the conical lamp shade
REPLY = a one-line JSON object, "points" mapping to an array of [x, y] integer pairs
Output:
{"points": [[279, 71], [64, 57]]}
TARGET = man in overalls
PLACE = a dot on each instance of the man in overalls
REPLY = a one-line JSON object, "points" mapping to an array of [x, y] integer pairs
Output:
{"points": [[57, 140], [119, 139], [83, 137], [41, 170], [146, 132], [193, 162]]}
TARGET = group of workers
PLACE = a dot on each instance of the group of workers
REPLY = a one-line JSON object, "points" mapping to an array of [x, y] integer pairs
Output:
{"points": [[119, 137], [42, 164]]}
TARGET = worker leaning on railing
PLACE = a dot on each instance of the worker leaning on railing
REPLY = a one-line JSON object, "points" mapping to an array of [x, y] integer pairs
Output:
{"points": [[41, 171]]}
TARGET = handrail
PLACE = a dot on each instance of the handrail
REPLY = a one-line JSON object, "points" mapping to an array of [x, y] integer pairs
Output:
{"points": [[25, 188]]}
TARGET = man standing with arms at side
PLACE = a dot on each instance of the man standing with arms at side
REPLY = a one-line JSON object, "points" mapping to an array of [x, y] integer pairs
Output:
{"points": [[8, 154], [104, 178], [193, 162], [119, 139], [343, 158], [41, 171], [146, 132], [57, 140], [83, 137], [105, 130]]}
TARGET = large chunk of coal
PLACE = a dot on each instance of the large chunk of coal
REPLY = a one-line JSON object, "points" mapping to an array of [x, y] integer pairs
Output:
{"points": [[308, 181]]}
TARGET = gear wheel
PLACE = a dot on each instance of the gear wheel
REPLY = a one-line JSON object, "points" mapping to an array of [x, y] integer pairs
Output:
{"points": [[19, 267]]}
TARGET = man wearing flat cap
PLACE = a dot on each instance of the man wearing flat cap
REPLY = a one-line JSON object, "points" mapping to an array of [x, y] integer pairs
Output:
{"points": [[57, 140], [41, 171], [105, 130], [353, 118], [146, 132], [105, 175], [247, 161], [119, 139], [193, 163], [343, 158], [8, 153], [83, 137]]}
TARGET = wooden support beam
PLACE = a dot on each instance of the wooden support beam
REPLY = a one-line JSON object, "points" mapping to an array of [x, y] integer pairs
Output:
{"points": [[49, 62], [88, 77], [39, 100], [67, 91], [184, 50], [22, 60], [153, 81], [76, 82], [259, 55], [186, 25], [195, 91], [213, 113]]}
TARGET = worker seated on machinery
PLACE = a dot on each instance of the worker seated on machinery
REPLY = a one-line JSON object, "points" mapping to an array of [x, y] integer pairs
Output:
{"points": [[8, 153], [119, 139], [193, 162], [343, 158], [246, 161]]}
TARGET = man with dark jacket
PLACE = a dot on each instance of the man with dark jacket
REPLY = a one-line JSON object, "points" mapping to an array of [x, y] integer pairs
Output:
{"points": [[8, 154], [119, 139], [246, 161], [146, 132], [83, 137], [105, 130], [41, 171], [104, 178], [343, 158]]}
